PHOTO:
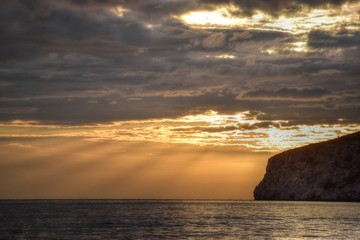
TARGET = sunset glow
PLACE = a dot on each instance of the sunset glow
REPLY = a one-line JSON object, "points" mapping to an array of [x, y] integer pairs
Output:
{"points": [[119, 11], [223, 56], [209, 129], [303, 21]]}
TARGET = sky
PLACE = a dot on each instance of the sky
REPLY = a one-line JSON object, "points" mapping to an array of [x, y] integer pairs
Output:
{"points": [[169, 98]]}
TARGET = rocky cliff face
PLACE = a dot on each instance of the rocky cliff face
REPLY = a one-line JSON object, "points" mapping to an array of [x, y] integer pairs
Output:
{"points": [[326, 171]]}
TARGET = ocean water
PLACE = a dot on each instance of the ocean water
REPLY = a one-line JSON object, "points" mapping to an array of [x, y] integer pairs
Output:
{"points": [[135, 219]]}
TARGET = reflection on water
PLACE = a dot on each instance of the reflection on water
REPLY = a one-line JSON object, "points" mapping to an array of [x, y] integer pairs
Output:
{"points": [[135, 219]]}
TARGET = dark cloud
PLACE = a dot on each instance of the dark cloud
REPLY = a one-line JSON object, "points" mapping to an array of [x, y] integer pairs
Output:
{"points": [[63, 27], [289, 93], [95, 2], [242, 127], [76, 61], [341, 39], [156, 10]]}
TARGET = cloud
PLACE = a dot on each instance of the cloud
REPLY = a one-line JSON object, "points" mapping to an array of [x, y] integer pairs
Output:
{"points": [[61, 56], [215, 40], [157, 8], [232, 128], [342, 39], [95, 2], [18, 110], [45, 26], [205, 129], [277, 7], [288, 93]]}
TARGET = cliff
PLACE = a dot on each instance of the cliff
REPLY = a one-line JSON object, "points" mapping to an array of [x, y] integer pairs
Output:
{"points": [[326, 171]]}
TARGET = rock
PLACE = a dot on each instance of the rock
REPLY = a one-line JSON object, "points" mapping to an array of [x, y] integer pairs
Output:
{"points": [[326, 171]]}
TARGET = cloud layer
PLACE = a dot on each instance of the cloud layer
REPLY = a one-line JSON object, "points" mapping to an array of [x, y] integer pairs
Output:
{"points": [[89, 61]]}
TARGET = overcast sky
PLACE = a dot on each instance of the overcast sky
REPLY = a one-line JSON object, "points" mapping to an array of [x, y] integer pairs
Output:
{"points": [[89, 61]]}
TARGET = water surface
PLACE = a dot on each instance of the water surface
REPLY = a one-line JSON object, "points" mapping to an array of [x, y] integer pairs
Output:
{"points": [[150, 219]]}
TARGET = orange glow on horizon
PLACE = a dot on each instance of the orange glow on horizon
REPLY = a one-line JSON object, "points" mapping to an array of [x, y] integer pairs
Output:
{"points": [[208, 129], [72, 168]]}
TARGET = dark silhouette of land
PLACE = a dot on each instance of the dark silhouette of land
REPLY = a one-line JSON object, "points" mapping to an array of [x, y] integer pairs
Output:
{"points": [[326, 171]]}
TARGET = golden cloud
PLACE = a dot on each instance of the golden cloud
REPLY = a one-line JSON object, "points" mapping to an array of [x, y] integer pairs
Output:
{"points": [[208, 129], [303, 21]]}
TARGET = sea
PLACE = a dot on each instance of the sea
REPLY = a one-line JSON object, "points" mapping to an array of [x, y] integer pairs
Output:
{"points": [[177, 219]]}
